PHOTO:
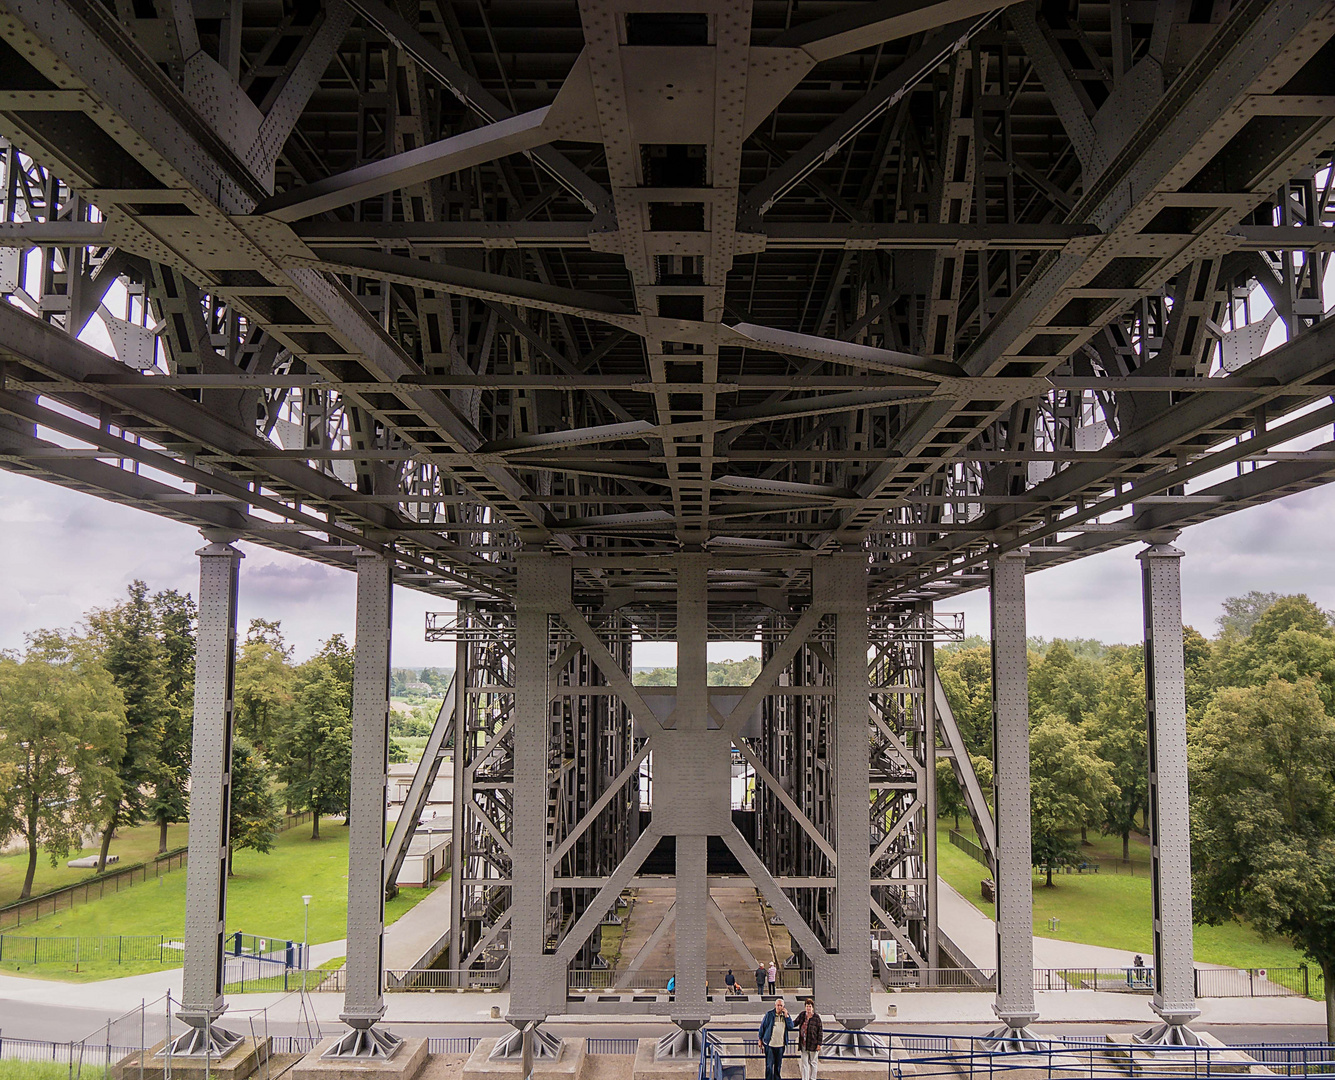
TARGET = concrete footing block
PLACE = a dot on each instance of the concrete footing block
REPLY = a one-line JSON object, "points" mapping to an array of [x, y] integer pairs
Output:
{"points": [[648, 1067], [568, 1066], [404, 1065], [243, 1060]]}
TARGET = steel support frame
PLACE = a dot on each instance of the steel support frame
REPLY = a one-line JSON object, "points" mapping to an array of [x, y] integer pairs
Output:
{"points": [[1015, 1004], [364, 1002], [1170, 812], [204, 957]]}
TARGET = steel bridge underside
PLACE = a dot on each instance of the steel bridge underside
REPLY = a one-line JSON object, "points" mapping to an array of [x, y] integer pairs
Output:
{"points": [[621, 320]]}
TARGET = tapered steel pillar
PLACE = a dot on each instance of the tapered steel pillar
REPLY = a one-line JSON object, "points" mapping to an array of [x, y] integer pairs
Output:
{"points": [[1170, 823], [927, 612], [1010, 741], [210, 805], [839, 587], [537, 986], [364, 1002], [696, 748]]}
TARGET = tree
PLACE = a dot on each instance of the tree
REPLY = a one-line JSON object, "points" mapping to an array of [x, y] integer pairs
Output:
{"points": [[1063, 683], [1118, 728], [949, 794], [170, 769], [1069, 784], [62, 729], [127, 635], [966, 676], [254, 814], [263, 683], [1263, 818], [1241, 612], [315, 745]]}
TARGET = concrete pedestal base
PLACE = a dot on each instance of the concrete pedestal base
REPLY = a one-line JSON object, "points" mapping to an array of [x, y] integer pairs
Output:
{"points": [[247, 1056], [404, 1065], [647, 1067], [972, 1062], [569, 1066], [1188, 1060]]}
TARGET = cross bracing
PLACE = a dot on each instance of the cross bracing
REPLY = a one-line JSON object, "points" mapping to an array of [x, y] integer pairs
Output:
{"points": [[617, 321]]}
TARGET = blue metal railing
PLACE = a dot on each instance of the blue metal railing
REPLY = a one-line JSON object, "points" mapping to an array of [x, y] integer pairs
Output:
{"points": [[724, 1053]]}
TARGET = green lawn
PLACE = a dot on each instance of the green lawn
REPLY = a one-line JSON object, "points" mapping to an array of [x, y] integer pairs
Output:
{"points": [[48, 1070], [264, 897], [1111, 909], [132, 845]]}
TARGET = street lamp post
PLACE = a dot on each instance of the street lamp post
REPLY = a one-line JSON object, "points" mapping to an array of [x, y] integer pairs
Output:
{"points": [[306, 933]]}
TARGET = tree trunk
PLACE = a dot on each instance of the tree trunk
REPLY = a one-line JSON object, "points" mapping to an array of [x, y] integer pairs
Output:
{"points": [[229, 860], [106, 844], [1126, 845], [315, 826], [32, 868], [1084, 835], [957, 819], [162, 836], [1049, 881]]}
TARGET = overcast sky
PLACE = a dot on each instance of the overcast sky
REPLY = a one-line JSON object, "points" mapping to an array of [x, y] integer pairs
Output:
{"points": [[62, 552]]}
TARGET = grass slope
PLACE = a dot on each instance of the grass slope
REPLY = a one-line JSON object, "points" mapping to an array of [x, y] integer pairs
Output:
{"points": [[132, 845], [264, 897], [1112, 909]]}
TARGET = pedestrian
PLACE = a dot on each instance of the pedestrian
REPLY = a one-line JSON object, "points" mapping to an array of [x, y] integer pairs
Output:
{"points": [[774, 1030], [730, 981], [760, 979], [672, 985], [810, 1032], [773, 974]]}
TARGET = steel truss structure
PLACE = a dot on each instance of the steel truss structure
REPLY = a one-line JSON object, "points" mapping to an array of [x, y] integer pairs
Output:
{"points": [[632, 319]]}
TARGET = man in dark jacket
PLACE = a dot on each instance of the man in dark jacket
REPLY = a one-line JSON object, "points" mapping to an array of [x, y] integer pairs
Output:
{"points": [[774, 1030], [809, 1035], [760, 978]]}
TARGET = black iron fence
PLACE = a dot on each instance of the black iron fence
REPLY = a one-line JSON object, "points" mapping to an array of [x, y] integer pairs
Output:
{"points": [[94, 888], [108, 948]]}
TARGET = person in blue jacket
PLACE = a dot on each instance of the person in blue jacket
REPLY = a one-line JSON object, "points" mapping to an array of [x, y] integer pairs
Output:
{"points": [[774, 1030]]}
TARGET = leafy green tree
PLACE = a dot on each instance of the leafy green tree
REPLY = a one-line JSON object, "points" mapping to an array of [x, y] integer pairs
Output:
{"points": [[62, 729], [315, 745], [1118, 729], [663, 676], [1062, 683], [966, 676], [1241, 612], [127, 636], [1263, 817], [170, 769], [263, 683], [254, 816], [949, 794], [1069, 786], [733, 672]]}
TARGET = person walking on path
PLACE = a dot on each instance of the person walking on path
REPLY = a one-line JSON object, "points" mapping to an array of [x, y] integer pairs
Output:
{"points": [[810, 1032], [760, 978], [774, 1030], [773, 974]]}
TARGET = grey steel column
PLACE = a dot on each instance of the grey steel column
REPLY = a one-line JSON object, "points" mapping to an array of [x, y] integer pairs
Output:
{"points": [[458, 818], [537, 988], [839, 587], [692, 724], [210, 804], [364, 1002], [927, 612], [1010, 743], [1170, 823]]}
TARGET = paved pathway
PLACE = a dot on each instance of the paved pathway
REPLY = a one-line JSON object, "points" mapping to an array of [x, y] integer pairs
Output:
{"points": [[418, 929]]}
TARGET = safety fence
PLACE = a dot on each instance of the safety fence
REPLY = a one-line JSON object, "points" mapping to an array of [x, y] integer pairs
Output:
{"points": [[1299, 981], [611, 1046], [658, 980], [105, 949], [246, 975], [429, 979]]}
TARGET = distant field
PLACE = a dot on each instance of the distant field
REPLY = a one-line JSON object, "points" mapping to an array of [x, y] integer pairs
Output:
{"points": [[264, 897], [1111, 909]]}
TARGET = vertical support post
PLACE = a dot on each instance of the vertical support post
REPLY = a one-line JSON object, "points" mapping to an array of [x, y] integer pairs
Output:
{"points": [[210, 805], [537, 987], [364, 1002], [1010, 747], [692, 723], [1170, 819], [459, 821], [839, 586], [927, 612]]}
